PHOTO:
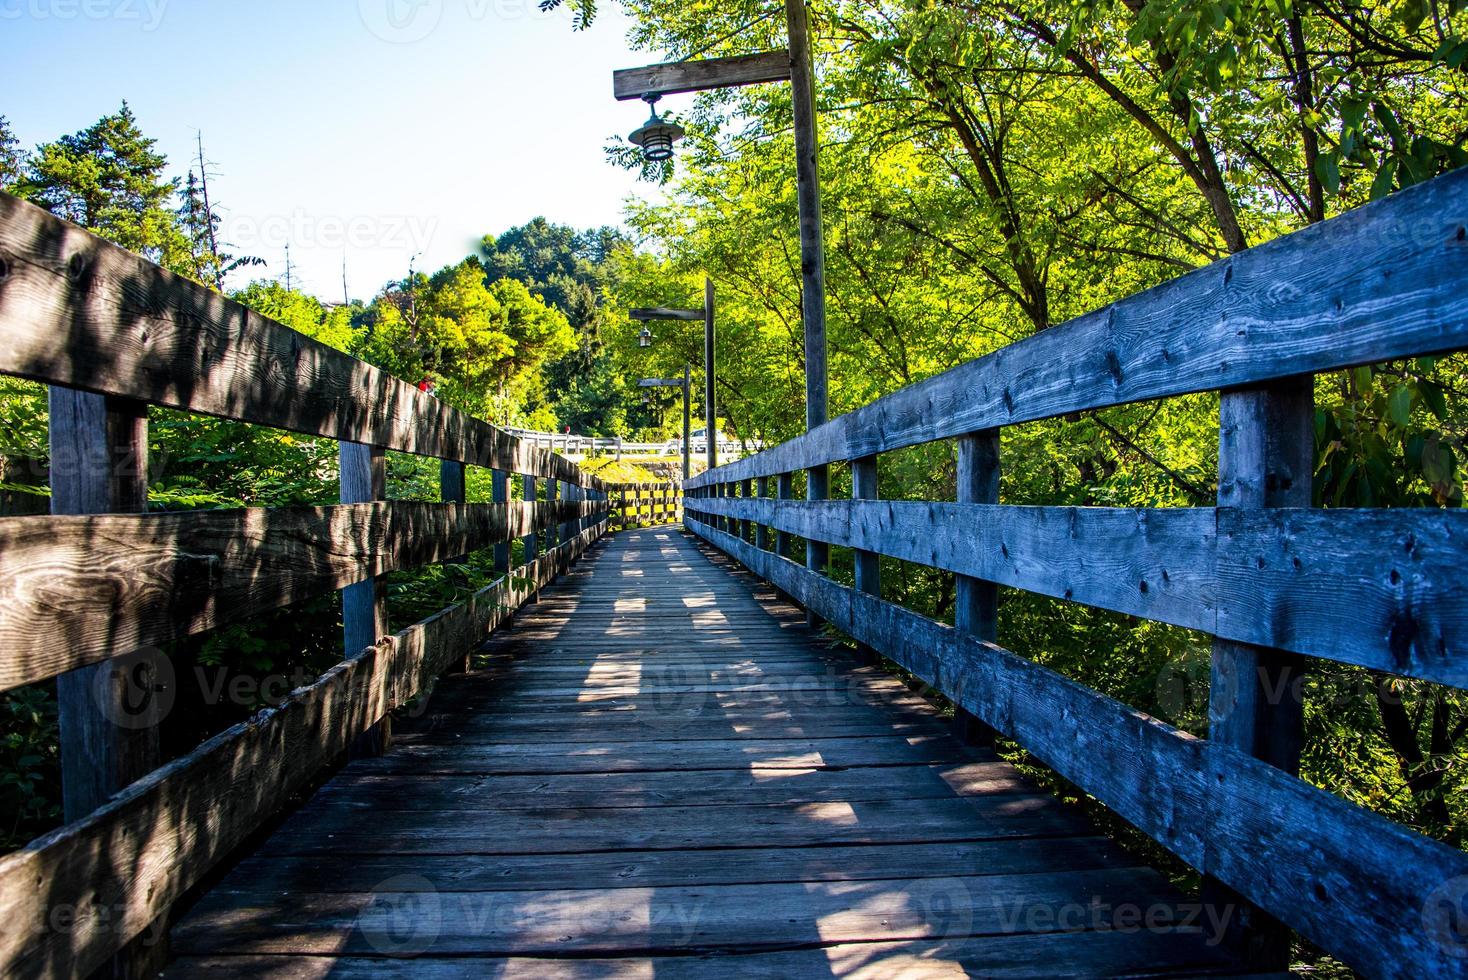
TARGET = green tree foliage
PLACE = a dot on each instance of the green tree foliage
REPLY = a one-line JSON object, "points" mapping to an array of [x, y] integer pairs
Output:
{"points": [[483, 343], [109, 179], [12, 157]]}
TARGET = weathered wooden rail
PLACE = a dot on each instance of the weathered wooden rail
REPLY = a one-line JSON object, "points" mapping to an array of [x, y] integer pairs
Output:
{"points": [[1279, 585], [88, 588]]}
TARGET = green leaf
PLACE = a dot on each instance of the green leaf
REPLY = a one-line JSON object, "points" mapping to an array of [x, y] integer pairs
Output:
{"points": [[1385, 181], [1400, 405], [1328, 169], [1433, 398]]}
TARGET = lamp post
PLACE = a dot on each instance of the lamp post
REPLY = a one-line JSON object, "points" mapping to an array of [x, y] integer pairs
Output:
{"points": [[795, 65], [707, 316], [687, 413]]}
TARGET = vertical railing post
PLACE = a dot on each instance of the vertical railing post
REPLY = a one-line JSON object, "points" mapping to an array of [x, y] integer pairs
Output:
{"points": [[363, 472], [762, 531], [976, 602], [746, 532], [109, 712], [500, 494], [1265, 459], [868, 567], [528, 543], [784, 490], [452, 490]]}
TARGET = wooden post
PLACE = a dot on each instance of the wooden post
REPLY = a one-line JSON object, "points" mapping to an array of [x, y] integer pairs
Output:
{"points": [[746, 528], [762, 531], [363, 471], [528, 543], [109, 712], [1266, 458], [452, 490], [99, 465], [976, 602], [808, 195], [784, 490], [687, 421], [868, 566], [710, 402], [500, 494]]}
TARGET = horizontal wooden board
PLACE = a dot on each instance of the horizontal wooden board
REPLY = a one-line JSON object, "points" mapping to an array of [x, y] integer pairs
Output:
{"points": [[672, 919], [78, 590], [119, 869], [1374, 588], [1345, 878], [262, 874], [80, 312], [712, 787], [680, 755], [1079, 955], [694, 76], [1380, 282]]}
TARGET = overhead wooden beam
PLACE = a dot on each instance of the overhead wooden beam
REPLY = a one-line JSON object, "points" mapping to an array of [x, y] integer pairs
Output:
{"points": [[663, 313], [695, 76]]}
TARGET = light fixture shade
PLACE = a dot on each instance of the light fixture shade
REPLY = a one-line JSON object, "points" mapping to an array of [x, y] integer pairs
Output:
{"points": [[656, 137], [644, 339]]}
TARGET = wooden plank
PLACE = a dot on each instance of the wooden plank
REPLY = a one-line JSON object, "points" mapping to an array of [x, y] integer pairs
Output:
{"points": [[1380, 282], [660, 313], [1376, 589], [713, 787], [117, 870], [677, 919], [672, 77], [1345, 878], [668, 756], [262, 874], [1111, 953], [77, 590], [78, 311]]}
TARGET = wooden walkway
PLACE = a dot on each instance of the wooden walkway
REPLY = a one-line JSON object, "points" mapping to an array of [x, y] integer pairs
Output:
{"points": [[662, 774]]}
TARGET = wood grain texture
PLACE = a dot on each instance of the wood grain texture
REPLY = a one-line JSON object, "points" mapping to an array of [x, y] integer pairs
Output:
{"points": [[77, 590], [1349, 880], [1380, 282], [80, 312], [113, 873]]}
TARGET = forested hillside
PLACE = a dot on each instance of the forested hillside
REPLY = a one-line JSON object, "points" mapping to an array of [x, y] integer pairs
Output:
{"points": [[989, 170]]}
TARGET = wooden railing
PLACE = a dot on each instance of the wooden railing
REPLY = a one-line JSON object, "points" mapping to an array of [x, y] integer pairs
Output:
{"points": [[635, 505], [112, 334], [1275, 582]]}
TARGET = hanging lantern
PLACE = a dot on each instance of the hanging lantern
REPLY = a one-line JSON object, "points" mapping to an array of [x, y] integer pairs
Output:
{"points": [[644, 339], [657, 135]]}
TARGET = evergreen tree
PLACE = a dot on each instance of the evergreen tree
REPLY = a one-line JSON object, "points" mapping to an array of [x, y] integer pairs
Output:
{"points": [[109, 179], [12, 157]]}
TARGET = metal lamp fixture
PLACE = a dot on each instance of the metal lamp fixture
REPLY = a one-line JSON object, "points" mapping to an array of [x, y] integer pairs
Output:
{"points": [[657, 135], [644, 339]]}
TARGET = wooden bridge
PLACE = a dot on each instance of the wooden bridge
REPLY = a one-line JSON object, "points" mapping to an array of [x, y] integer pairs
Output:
{"points": [[652, 766]]}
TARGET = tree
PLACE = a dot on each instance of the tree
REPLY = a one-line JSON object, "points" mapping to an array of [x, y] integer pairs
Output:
{"points": [[12, 157], [109, 179]]}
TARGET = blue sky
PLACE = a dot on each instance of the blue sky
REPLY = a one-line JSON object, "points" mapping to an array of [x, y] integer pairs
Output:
{"points": [[370, 129]]}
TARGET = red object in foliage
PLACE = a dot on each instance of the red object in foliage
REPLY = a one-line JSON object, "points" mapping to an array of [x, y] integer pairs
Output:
{"points": [[427, 385]]}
